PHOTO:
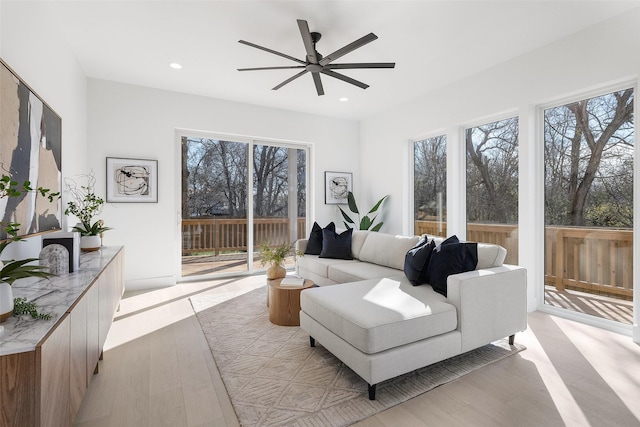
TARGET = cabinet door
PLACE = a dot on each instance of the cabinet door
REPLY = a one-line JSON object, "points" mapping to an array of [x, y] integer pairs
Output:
{"points": [[18, 389], [52, 356], [105, 313], [78, 354], [93, 335]]}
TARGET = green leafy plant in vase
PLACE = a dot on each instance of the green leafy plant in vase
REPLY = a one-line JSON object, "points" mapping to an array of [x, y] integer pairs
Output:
{"points": [[85, 206], [12, 270], [363, 223], [275, 256]]}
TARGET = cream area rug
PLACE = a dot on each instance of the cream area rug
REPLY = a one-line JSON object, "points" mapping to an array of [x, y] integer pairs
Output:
{"points": [[275, 378]]}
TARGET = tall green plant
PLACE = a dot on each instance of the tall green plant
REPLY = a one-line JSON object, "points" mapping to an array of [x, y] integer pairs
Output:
{"points": [[365, 222]]}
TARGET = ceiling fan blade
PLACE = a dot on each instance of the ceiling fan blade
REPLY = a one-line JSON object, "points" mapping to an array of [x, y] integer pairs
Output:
{"points": [[266, 49], [308, 41], [360, 65], [318, 82], [344, 78], [348, 48], [290, 79], [271, 68]]}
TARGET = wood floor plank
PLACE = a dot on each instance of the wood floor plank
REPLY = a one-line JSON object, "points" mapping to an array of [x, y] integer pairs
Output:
{"points": [[167, 409]]}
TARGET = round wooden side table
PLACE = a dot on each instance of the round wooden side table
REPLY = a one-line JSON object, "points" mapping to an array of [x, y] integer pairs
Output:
{"points": [[284, 302]]}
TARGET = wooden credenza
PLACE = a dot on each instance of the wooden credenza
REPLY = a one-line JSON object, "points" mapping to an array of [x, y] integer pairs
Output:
{"points": [[46, 366]]}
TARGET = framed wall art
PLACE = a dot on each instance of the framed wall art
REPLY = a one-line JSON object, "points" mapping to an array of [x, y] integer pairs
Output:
{"points": [[337, 187], [132, 180], [30, 150]]}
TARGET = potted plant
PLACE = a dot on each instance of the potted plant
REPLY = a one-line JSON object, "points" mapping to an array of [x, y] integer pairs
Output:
{"points": [[275, 256], [365, 222], [12, 270], [85, 206]]}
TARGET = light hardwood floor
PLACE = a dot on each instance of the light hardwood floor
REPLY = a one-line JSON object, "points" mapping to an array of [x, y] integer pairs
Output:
{"points": [[158, 371]]}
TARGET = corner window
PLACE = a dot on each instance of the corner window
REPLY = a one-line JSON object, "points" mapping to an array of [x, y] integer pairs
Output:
{"points": [[588, 205]]}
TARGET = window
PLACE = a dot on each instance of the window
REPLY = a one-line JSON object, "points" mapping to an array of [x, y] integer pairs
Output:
{"points": [[430, 186], [492, 184], [589, 166]]}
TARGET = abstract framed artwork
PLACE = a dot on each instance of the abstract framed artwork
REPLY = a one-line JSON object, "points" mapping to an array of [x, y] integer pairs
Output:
{"points": [[132, 180], [336, 187], [30, 150]]}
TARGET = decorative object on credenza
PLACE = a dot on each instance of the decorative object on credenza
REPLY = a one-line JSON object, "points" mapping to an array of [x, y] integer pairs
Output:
{"points": [[85, 206], [71, 241], [56, 258], [30, 146], [12, 270], [337, 187], [275, 256], [132, 180], [363, 223]]}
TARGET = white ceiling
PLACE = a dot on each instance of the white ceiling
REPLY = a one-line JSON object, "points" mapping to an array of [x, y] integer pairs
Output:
{"points": [[433, 43]]}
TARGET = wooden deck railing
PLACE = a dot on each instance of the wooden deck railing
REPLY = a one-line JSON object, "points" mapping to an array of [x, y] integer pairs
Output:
{"points": [[220, 235], [594, 260], [590, 259]]}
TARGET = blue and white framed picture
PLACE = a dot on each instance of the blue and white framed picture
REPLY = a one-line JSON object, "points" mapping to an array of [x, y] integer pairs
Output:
{"points": [[132, 180]]}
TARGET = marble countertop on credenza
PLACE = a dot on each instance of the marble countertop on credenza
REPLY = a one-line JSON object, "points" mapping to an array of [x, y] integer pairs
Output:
{"points": [[54, 296]]}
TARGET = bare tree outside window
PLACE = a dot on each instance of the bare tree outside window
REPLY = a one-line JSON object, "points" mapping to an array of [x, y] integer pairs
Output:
{"points": [[492, 172], [589, 162], [430, 185]]}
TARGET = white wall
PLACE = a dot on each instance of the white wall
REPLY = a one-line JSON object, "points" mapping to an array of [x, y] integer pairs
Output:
{"points": [[603, 54], [31, 44], [138, 122]]}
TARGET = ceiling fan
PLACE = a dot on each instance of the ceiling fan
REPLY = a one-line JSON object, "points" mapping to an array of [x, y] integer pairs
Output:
{"points": [[316, 64]]}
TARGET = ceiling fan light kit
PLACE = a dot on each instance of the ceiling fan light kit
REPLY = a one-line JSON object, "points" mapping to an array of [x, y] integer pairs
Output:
{"points": [[316, 64]]}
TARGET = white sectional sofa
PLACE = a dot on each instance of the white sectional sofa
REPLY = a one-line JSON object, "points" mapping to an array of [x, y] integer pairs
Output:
{"points": [[381, 326]]}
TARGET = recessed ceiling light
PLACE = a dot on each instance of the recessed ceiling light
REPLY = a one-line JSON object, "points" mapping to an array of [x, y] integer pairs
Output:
{"points": [[344, 99], [175, 66]]}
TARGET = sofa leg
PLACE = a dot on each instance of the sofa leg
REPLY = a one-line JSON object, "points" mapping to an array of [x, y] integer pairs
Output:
{"points": [[312, 341], [512, 338], [372, 392]]}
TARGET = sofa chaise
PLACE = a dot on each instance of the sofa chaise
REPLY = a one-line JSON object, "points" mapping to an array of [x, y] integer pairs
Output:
{"points": [[382, 326]]}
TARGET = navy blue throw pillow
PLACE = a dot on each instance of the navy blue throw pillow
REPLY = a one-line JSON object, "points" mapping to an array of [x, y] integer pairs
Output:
{"points": [[450, 257], [314, 245], [336, 245], [417, 259]]}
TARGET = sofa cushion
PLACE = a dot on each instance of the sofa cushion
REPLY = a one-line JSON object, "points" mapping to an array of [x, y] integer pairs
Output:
{"points": [[319, 266], [490, 255], [450, 257], [314, 245], [356, 271], [336, 245], [375, 315], [358, 238], [416, 261], [387, 249]]}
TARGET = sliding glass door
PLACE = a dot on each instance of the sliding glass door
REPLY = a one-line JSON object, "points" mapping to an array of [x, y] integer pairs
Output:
{"points": [[233, 202], [279, 196]]}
